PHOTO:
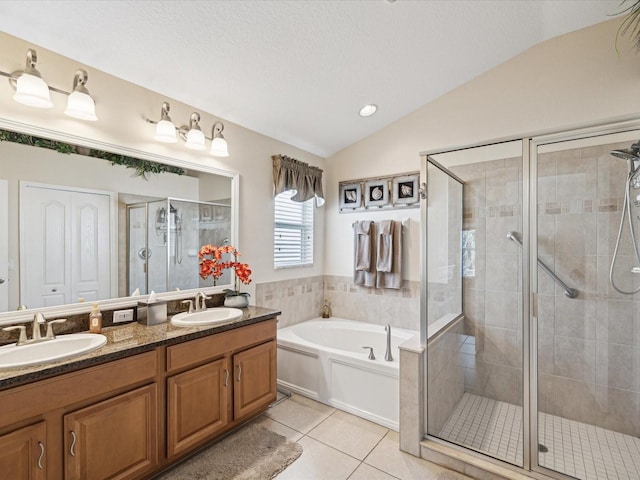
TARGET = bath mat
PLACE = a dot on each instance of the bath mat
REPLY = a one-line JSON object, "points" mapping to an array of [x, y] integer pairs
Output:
{"points": [[252, 453]]}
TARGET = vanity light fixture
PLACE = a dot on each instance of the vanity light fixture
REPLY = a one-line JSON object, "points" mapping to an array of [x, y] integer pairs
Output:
{"points": [[194, 138], [165, 129], [368, 110], [33, 91], [218, 144], [80, 104]]}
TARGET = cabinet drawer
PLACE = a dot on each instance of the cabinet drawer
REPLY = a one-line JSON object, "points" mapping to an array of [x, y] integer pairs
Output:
{"points": [[36, 398], [208, 348]]}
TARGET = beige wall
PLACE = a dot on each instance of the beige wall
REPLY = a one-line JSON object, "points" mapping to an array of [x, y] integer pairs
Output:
{"points": [[121, 107], [573, 79], [567, 81]]}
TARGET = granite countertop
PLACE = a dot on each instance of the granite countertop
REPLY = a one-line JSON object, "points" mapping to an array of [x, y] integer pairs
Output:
{"points": [[127, 340]]}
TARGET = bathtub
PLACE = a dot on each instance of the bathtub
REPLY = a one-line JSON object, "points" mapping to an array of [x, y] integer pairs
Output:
{"points": [[323, 359]]}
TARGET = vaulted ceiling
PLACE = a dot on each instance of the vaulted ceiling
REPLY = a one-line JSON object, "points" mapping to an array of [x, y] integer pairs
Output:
{"points": [[298, 71]]}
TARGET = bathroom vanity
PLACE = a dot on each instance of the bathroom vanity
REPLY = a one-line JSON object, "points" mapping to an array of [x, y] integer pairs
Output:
{"points": [[151, 396]]}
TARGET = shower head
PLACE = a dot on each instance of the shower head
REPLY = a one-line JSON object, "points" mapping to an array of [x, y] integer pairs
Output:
{"points": [[631, 155], [624, 154]]}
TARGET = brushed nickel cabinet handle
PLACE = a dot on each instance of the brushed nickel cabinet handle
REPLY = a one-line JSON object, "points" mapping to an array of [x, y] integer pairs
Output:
{"points": [[41, 445], [239, 372], [73, 444], [226, 377]]}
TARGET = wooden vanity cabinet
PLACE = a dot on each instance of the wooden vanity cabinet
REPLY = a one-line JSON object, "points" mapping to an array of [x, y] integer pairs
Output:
{"points": [[220, 381], [22, 453], [255, 379], [115, 439], [127, 419], [196, 405]]}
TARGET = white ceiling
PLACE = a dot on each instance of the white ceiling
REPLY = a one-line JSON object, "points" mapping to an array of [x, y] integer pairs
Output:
{"points": [[298, 71]]}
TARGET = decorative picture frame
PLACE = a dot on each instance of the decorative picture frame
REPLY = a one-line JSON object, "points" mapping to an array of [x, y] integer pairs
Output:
{"points": [[406, 189], [350, 196], [376, 193]]}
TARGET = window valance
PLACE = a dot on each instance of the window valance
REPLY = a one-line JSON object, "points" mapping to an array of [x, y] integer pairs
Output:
{"points": [[304, 179]]}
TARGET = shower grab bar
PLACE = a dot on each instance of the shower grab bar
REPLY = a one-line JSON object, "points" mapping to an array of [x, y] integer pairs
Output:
{"points": [[569, 292]]}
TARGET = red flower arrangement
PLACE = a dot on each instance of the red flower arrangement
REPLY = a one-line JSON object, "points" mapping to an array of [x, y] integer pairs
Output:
{"points": [[211, 265]]}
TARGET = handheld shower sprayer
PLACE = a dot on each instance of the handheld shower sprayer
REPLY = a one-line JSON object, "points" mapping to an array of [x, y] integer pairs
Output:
{"points": [[632, 156]]}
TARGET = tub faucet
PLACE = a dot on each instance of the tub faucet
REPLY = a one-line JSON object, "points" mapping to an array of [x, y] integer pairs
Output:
{"points": [[387, 355]]}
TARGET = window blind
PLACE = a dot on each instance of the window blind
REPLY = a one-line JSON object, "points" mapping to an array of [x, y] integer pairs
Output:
{"points": [[293, 232]]}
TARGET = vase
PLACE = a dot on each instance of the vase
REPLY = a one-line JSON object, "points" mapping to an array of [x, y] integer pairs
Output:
{"points": [[236, 301]]}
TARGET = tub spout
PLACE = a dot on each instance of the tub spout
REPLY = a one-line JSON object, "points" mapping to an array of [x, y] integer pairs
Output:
{"points": [[387, 356]]}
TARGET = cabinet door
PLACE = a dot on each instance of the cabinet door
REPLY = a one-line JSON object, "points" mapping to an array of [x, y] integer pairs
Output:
{"points": [[22, 454], [255, 379], [197, 405], [113, 439]]}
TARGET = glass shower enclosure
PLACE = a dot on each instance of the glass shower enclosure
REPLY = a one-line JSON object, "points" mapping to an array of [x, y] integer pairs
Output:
{"points": [[164, 238], [534, 362]]}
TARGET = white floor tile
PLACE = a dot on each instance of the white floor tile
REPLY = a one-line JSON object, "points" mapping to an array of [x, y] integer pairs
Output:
{"points": [[388, 458], [319, 462], [300, 413], [349, 434], [367, 472]]}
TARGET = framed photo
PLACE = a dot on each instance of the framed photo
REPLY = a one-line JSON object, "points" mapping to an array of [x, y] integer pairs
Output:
{"points": [[376, 193], [350, 196], [405, 189]]}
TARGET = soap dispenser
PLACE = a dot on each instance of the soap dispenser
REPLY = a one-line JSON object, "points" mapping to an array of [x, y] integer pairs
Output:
{"points": [[326, 309], [95, 319]]}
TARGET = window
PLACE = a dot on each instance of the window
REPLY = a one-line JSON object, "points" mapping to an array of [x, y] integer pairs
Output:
{"points": [[293, 232]]}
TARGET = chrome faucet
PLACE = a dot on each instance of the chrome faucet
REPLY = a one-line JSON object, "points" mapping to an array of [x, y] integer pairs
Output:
{"points": [[201, 302], [387, 356]]}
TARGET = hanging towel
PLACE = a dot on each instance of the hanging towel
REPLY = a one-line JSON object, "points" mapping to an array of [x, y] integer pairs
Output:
{"points": [[363, 245], [392, 278], [385, 246]]}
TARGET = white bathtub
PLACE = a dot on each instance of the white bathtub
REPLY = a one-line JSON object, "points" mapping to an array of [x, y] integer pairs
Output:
{"points": [[323, 359]]}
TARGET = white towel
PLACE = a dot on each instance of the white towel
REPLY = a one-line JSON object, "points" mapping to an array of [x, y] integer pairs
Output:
{"points": [[363, 246], [385, 246]]}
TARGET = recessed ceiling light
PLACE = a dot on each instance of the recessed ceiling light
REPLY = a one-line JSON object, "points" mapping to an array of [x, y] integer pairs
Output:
{"points": [[368, 110]]}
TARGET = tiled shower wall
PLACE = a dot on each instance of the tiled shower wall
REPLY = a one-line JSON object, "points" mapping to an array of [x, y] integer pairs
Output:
{"points": [[302, 299], [492, 293], [589, 346]]}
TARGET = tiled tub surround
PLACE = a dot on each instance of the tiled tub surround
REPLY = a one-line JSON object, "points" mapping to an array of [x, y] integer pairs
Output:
{"points": [[399, 308], [301, 299], [298, 299], [127, 340]]}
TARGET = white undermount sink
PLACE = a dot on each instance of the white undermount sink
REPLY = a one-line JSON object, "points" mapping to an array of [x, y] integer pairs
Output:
{"points": [[210, 316], [61, 347]]}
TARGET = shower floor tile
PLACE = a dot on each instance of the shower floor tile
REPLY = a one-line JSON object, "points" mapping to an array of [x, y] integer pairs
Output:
{"points": [[577, 449]]}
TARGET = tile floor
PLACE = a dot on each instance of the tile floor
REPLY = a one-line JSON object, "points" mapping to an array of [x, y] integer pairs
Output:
{"points": [[340, 446], [577, 449]]}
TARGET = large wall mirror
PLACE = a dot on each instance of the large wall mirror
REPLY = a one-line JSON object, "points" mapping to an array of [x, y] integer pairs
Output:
{"points": [[76, 229]]}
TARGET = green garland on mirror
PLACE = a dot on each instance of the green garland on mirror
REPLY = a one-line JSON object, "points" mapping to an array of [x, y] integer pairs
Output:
{"points": [[142, 168]]}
